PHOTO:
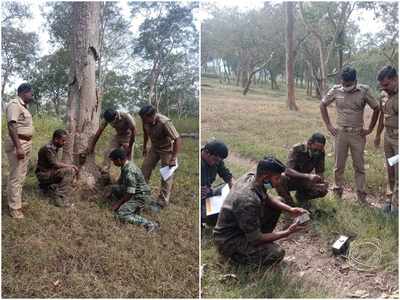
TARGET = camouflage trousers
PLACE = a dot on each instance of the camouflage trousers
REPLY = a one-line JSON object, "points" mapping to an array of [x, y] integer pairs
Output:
{"points": [[130, 211], [242, 252], [391, 148], [58, 182], [305, 189]]}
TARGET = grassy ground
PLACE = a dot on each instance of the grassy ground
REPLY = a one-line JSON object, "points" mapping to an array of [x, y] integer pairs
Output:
{"points": [[260, 124], [86, 252]]}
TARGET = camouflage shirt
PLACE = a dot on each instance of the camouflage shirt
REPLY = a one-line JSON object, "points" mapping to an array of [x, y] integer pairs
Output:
{"points": [[132, 180], [209, 173], [47, 158], [242, 213], [162, 133], [300, 160]]}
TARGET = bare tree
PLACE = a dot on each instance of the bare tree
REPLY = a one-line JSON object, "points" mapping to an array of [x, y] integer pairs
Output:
{"points": [[290, 56]]}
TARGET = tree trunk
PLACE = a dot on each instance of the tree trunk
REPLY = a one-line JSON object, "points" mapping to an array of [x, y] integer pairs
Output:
{"points": [[83, 107], [291, 101]]}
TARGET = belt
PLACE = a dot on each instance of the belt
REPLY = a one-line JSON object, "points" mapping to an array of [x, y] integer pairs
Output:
{"points": [[24, 137], [350, 129]]}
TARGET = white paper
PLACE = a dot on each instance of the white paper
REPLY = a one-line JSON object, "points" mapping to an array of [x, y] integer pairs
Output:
{"points": [[393, 160], [166, 172], [214, 204]]}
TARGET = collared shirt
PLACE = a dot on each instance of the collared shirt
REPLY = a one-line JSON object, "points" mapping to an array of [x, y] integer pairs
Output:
{"points": [[390, 109], [300, 160], [122, 124], [209, 173], [350, 105], [47, 158], [17, 112], [162, 134], [242, 213], [132, 180]]}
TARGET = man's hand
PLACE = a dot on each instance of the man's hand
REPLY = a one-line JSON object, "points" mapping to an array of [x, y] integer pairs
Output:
{"points": [[294, 227], [315, 178], [75, 168], [297, 211], [365, 132], [377, 141], [332, 130], [172, 161], [144, 152], [204, 191], [230, 183], [20, 153]]}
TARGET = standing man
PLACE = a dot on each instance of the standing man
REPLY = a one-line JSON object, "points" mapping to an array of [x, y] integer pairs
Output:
{"points": [[125, 128], [132, 193], [349, 132], [245, 227], [389, 119], [165, 146], [53, 175], [18, 146], [212, 164], [304, 158]]}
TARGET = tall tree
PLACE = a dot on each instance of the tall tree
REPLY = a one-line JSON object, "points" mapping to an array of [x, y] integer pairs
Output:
{"points": [[291, 101], [83, 104]]}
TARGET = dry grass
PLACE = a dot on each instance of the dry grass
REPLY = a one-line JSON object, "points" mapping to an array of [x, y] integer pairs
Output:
{"points": [[86, 252], [259, 124]]}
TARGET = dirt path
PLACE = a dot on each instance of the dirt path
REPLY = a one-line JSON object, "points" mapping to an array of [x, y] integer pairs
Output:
{"points": [[308, 256]]}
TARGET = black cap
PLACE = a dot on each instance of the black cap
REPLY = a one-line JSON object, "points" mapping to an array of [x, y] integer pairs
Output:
{"points": [[23, 88], [270, 164], [217, 148]]}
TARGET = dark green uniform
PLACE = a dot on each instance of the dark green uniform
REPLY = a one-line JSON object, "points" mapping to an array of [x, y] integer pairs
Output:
{"points": [[57, 181], [301, 160], [208, 175], [245, 215], [132, 182]]}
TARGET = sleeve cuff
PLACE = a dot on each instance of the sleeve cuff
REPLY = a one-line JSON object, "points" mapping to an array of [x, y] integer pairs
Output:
{"points": [[131, 190]]}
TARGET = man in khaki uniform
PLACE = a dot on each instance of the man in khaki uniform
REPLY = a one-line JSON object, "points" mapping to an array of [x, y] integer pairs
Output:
{"points": [[165, 145], [389, 119], [125, 128], [54, 176], [18, 146], [349, 133], [245, 230]]}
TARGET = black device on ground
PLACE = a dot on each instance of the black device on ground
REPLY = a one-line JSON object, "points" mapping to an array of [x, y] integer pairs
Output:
{"points": [[341, 245]]}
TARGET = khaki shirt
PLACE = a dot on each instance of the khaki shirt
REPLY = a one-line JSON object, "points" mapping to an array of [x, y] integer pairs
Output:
{"points": [[17, 112], [390, 109], [122, 124], [300, 160], [241, 215], [162, 133], [350, 105]]}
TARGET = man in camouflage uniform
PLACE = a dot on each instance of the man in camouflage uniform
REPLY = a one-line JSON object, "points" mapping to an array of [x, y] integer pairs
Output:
{"points": [[54, 176], [18, 147], [132, 193], [125, 128], [303, 159], [389, 119], [212, 164], [349, 133], [248, 217], [165, 145]]}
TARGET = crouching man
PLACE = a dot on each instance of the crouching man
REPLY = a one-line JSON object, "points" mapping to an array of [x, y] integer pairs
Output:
{"points": [[132, 193], [245, 227], [54, 176]]}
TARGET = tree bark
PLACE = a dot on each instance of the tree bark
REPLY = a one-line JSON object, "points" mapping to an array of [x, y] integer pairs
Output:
{"points": [[291, 101], [83, 107]]}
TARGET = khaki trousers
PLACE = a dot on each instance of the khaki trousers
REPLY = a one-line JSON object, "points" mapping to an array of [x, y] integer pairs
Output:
{"points": [[18, 171], [149, 163], [356, 143], [391, 148]]}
